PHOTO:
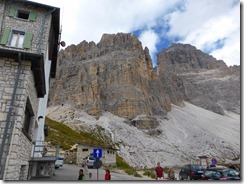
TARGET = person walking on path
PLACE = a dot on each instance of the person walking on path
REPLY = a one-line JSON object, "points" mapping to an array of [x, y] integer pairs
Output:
{"points": [[171, 174], [159, 172], [107, 175], [86, 171], [90, 176], [81, 175]]}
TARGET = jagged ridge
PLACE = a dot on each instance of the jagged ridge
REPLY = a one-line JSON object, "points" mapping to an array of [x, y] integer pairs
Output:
{"points": [[116, 75]]}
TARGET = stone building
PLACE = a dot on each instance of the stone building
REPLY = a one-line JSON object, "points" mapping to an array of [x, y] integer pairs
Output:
{"points": [[29, 40], [108, 153]]}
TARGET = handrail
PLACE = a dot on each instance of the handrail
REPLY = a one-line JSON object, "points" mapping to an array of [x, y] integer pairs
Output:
{"points": [[42, 148]]}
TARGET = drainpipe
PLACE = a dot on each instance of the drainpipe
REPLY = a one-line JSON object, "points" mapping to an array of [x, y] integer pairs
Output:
{"points": [[42, 30], [7, 157], [9, 125]]}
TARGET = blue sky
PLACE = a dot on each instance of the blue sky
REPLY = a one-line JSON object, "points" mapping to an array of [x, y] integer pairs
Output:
{"points": [[212, 26]]}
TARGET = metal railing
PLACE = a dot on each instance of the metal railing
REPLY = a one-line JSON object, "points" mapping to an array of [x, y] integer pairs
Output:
{"points": [[46, 149]]}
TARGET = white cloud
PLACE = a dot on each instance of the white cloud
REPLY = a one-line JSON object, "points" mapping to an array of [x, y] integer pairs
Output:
{"points": [[203, 23], [89, 19], [200, 23], [108, 16], [149, 39]]}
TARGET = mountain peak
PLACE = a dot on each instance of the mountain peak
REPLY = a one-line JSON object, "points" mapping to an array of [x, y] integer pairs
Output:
{"points": [[124, 40], [186, 57]]}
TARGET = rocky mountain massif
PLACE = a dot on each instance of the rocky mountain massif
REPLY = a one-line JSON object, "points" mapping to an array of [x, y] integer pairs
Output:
{"points": [[116, 76], [196, 77]]}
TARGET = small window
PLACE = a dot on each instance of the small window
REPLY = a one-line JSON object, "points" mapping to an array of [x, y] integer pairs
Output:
{"points": [[23, 14], [17, 39], [28, 120], [84, 149]]}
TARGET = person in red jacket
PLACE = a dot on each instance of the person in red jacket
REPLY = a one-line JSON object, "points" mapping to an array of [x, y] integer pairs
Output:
{"points": [[159, 172], [107, 175]]}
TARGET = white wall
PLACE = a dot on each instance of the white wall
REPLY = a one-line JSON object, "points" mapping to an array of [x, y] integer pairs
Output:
{"points": [[42, 107]]}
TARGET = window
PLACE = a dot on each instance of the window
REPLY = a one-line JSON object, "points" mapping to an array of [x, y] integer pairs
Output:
{"points": [[23, 14], [84, 149], [28, 119], [17, 39]]}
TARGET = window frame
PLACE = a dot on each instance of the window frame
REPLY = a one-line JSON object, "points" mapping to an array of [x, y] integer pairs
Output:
{"points": [[28, 120], [20, 11], [20, 35], [8, 35], [14, 13]]}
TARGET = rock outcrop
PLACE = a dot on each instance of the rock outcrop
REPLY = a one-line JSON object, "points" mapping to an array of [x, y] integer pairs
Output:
{"points": [[191, 75], [116, 75], [145, 110]]}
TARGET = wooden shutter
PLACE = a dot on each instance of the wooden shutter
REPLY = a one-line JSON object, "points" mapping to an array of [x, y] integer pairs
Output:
{"points": [[32, 16], [5, 35], [28, 40], [12, 11]]}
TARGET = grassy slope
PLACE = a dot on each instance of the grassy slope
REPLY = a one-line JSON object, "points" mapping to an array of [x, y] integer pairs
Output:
{"points": [[68, 137]]}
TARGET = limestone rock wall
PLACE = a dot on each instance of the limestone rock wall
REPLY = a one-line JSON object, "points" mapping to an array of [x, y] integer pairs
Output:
{"points": [[194, 76], [116, 75]]}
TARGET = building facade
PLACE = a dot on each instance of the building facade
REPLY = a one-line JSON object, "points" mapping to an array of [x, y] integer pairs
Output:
{"points": [[29, 39], [84, 150]]}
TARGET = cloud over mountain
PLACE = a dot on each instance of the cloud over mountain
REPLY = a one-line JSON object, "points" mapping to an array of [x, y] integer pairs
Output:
{"points": [[211, 26]]}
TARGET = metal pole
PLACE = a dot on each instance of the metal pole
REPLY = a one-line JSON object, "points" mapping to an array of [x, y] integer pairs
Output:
{"points": [[97, 174]]}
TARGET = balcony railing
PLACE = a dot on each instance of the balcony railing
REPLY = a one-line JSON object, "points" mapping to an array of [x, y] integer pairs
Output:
{"points": [[46, 149]]}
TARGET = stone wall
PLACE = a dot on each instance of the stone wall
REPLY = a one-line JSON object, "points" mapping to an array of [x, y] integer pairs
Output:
{"points": [[20, 149], [18, 154], [40, 37]]}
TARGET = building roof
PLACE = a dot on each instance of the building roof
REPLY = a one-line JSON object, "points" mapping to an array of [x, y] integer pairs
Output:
{"points": [[96, 145], [33, 3]]}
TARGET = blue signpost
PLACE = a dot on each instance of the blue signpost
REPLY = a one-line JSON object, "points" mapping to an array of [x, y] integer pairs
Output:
{"points": [[97, 153], [214, 162]]}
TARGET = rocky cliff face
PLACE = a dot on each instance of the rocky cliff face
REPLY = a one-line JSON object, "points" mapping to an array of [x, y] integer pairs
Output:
{"points": [[143, 109], [116, 75], [191, 75]]}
